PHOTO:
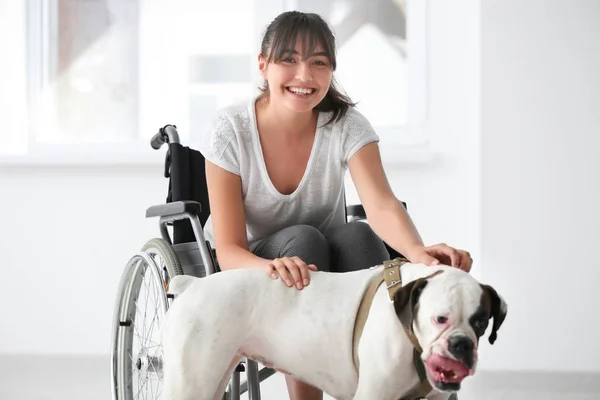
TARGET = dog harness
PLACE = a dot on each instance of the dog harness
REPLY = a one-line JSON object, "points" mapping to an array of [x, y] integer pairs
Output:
{"points": [[393, 280]]}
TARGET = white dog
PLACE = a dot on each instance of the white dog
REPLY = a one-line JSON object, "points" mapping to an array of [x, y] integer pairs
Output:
{"points": [[315, 335]]}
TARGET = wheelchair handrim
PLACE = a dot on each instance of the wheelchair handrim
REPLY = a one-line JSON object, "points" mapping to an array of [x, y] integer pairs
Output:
{"points": [[146, 361]]}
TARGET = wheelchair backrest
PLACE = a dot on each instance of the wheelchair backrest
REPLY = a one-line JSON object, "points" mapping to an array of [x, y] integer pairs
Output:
{"points": [[185, 169]]}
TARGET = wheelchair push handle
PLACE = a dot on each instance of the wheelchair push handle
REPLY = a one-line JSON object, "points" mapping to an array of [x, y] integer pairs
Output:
{"points": [[166, 134]]}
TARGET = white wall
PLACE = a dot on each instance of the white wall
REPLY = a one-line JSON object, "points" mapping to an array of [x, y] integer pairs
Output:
{"points": [[540, 179], [67, 234]]}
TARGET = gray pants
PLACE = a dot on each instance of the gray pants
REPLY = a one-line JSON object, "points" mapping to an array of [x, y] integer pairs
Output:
{"points": [[350, 247]]}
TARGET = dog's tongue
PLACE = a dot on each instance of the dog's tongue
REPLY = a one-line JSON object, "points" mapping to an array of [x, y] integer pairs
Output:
{"points": [[437, 362]]}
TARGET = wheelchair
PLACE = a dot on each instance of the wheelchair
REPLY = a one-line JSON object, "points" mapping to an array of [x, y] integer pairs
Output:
{"points": [[143, 297]]}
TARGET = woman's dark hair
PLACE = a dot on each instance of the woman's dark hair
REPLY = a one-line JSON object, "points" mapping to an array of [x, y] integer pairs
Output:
{"points": [[282, 34]]}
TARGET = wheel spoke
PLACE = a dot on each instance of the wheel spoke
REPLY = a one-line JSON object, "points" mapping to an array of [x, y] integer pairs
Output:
{"points": [[146, 306]]}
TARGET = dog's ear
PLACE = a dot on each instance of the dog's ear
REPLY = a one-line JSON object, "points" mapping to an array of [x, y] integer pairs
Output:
{"points": [[498, 310], [406, 301]]}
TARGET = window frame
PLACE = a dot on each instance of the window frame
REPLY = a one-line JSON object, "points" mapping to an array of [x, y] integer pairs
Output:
{"points": [[408, 143]]}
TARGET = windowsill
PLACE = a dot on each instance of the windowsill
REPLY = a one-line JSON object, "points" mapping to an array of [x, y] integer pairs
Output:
{"points": [[399, 148], [138, 154], [399, 157], [83, 160]]}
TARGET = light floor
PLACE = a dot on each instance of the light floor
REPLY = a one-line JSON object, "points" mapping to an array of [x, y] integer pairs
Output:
{"points": [[88, 378]]}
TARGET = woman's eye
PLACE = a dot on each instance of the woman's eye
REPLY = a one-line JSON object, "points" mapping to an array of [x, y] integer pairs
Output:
{"points": [[321, 63], [441, 320], [288, 60]]}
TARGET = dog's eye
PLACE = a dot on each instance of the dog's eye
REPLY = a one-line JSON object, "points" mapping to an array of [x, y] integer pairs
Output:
{"points": [[441, 319], [480, 324]]}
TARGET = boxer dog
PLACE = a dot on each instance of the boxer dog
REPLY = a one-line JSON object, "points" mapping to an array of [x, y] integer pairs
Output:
{"points": [[432, 317]]}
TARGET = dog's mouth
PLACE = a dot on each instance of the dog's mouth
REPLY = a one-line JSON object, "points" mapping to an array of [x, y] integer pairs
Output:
{"points": [[446, 373]]}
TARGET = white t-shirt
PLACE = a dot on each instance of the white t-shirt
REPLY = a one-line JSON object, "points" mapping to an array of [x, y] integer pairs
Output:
{"points": [[233, 143]]}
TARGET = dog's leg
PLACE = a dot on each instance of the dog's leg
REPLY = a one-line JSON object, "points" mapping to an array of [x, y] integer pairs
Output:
{"points": [[382, 380], [200, 345], [226, 379], [367, 393], [372, 387], [206, 379], [196, 360]]}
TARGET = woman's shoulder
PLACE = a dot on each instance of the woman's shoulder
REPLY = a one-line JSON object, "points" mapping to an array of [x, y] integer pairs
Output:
{"points": [[233, 118], [352, 122], [354, 117], [228, 130]]}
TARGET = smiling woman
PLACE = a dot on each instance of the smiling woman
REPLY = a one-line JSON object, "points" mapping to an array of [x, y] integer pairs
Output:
{"points": [[300, 56]]}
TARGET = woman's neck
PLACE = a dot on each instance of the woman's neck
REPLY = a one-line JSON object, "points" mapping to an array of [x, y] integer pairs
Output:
{"points": [[290, 122]]}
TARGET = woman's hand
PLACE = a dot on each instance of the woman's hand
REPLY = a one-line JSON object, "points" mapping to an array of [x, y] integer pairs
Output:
{"points": [[444, 254], [292, 270]]}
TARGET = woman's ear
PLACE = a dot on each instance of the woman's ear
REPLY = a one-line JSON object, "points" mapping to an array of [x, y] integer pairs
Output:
{"points": [[262, 66]]}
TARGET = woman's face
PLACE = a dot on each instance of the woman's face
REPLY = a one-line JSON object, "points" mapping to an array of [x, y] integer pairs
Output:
{"points": [[298, 81]]}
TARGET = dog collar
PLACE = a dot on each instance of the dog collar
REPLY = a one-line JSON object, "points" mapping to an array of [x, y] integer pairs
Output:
{"points": [[393, 281]]}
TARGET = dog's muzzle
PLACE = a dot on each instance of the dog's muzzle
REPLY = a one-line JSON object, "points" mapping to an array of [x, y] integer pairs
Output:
{"points": [[448, 372], [462, 348]]}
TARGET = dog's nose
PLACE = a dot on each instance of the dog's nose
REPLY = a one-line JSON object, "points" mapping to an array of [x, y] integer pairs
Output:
{"points": [[461, 347], [460, 344]]}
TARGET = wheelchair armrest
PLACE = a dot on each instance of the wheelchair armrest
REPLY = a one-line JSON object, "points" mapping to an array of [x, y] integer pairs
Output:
{"points": [[358, 211], [174, 208]]}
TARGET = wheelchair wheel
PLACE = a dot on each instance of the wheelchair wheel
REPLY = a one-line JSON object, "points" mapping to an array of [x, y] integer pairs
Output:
{"points": [[170, 266], [139, 311]]}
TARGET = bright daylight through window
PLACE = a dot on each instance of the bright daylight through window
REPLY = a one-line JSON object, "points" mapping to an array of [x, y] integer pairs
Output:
{"points": [[101, 76]]}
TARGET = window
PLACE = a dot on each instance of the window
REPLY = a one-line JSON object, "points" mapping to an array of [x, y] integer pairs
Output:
{"points": [[93, 80], [13, 73]]}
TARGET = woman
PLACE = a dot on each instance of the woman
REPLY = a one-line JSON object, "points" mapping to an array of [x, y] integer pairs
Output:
{"points": [[275, 171]]}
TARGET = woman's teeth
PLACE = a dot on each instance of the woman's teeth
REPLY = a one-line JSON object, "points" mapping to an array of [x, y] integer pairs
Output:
{"points": [[302, 91]]}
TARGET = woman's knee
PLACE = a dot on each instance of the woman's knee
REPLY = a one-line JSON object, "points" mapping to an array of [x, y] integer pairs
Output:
{"points": [[356, 246], [307, 243], [360, 231], [356, 233]]}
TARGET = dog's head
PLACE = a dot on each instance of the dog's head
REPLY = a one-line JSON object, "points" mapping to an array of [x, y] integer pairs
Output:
{"points": [[448, 312]]}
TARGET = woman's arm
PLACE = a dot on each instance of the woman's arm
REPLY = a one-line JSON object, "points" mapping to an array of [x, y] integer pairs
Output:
{"points": [[229, 228], [228, 219], [388, 217], [385, 213]]}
